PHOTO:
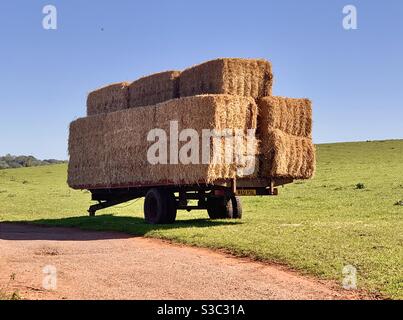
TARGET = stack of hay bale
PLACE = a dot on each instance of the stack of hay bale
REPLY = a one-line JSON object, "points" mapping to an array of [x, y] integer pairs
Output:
{"points": [[108, 148]]}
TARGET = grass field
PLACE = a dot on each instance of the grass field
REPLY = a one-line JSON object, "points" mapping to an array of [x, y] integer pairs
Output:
{"points": [[348, 214]]}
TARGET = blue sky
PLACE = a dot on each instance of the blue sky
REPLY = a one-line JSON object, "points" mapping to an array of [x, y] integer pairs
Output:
{"points": [[354, 78]]}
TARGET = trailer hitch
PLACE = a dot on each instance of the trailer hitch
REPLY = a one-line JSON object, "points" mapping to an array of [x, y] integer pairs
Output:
{"points": [[108, 203]]}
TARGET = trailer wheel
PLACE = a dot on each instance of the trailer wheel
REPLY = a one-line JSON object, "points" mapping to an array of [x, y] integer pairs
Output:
{"points": [[236, 207], [172, 208], [159, 207], [219, 207]]}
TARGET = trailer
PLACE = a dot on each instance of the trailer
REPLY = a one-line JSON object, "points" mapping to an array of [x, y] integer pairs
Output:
{"points": [[221, 199]]}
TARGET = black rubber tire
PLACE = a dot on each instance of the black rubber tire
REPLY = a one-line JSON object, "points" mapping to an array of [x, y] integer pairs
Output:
{"points": [[236, 207], [159, 207], [172, 208], [219, 207]]}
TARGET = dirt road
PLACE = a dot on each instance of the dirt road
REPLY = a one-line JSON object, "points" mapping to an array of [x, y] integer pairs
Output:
{"points": [[107, 265]]}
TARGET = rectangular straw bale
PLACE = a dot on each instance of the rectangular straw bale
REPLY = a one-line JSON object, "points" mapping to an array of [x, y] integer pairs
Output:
{"points": [[292, 116], [122, 156], [87, 151], [154, 89], [108, 99], [286, 155], [244, 77], [126, 141], [213, 112]]}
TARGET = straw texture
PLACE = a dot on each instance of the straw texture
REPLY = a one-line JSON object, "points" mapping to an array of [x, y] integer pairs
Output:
{"points": [[108, 99], [285, 130], [290, 115], [154, 89], [244, 77], [111, 149], [285, 155], [87, 150]]}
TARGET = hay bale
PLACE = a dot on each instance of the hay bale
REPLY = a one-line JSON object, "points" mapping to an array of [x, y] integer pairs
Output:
{"points": [[86, 150], [120, 148], [213, 112], [126, 141], [244, 77], [292, 116], [108, 99], [285, 130], [154, 89], [286, 155]]}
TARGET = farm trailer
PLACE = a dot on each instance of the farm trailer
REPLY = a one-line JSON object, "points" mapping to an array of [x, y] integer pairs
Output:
{"points": [[221, 199]]}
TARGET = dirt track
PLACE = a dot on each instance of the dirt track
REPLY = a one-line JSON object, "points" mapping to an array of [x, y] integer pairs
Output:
{"points": [[107, 265]]}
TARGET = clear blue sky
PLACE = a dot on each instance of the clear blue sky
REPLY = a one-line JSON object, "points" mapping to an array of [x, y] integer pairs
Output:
{"points": [[355, 78]]}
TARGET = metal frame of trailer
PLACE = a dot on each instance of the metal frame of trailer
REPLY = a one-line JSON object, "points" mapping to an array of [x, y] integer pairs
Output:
{"points": [[221, 199]]}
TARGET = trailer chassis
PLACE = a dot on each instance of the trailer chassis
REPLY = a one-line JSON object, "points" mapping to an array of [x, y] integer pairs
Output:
{"points": [[213, 197]]}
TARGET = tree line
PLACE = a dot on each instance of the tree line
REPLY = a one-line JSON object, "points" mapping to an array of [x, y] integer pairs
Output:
{"points": [[10, 161]]}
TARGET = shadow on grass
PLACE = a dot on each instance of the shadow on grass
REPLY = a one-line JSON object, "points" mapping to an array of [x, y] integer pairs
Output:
{"points": [[23, 230]]}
